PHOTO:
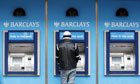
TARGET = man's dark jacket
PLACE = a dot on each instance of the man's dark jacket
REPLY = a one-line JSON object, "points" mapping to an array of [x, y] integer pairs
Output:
{"points": [[67, 53]]}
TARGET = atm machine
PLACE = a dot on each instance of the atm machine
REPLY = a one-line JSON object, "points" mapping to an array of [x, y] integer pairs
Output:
{"points": [[122, 52], [21, 53], [82, 38]]}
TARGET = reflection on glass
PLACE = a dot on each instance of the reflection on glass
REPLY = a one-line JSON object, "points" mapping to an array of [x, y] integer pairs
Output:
{"points": [[81, 63]]}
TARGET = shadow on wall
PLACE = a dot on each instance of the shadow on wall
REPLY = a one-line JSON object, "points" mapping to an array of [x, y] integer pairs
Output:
{"points": [[1, 77]]}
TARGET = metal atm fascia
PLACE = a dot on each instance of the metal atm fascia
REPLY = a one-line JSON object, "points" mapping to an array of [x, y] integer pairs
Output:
{"points": [[105, 53], [88, 74], [38, 54]]}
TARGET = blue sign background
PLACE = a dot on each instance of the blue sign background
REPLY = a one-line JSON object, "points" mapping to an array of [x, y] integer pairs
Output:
{"points": [[57, 13], [35, 12], [74, 35], [122, 35], [107, 13], [21, 36]]}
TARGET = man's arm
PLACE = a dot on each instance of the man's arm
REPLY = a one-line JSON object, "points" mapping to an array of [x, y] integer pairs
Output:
{"points": [[77, 52], [57, 53]]}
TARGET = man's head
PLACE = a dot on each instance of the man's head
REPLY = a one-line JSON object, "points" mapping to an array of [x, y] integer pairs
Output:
{"points": [[66, 35]]}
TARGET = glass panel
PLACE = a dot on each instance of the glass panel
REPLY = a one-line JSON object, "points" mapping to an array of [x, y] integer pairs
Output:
{"points": [[21, 47], [81, 63]]}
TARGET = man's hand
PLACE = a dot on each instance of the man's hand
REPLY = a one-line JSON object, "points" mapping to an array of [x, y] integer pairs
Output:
{"points": [[78, 58]]}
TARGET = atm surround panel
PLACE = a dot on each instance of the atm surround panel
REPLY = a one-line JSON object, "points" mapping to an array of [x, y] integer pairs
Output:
{"points": [[83, 67], [121, 56], [21, 56]]}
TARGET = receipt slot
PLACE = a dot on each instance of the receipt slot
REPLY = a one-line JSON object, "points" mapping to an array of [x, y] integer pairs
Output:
{"points": [[82, 38], [21, 56], [121, 52]]}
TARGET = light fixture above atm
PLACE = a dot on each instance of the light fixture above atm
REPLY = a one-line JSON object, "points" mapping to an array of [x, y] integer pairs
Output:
{"points": [[122, 12], [72, 12], [19, 12]]}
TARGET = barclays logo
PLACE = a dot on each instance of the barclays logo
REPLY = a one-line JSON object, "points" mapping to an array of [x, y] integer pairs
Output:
{"points": [[6, 24], [56, 24], [107, 24]]}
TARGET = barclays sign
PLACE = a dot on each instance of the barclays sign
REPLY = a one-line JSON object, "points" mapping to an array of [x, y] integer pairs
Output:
{"points": [[72, 24], [122, 24], [21, 24]]}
